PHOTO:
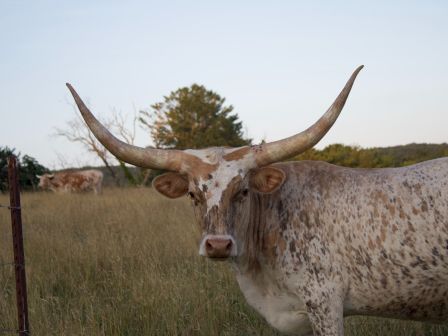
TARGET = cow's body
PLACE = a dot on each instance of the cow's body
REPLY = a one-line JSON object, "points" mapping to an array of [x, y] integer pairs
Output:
{"points": [[368, 241], [76, 181], [312, 242]]}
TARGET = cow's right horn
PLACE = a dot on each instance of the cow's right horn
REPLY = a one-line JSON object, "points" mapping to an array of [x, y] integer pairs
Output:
{"points": [[141, 157], [296, 144]]}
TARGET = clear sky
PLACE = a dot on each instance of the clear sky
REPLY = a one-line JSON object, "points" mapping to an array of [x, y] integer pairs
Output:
{"points": [[279, 63]]}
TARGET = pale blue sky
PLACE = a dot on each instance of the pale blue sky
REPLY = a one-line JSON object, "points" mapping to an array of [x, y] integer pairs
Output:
{"points": [[279, 63]]}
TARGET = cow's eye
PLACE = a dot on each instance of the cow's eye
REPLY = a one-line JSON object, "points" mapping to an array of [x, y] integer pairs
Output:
{"points": [[194, 198], [241, 194]]}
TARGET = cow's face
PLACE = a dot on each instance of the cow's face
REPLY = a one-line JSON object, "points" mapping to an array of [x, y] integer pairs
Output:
{"points": [[219, 189], [45, 180]]}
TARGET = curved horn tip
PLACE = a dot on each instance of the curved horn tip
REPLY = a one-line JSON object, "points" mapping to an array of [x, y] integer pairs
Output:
{"points": [[358, 69], [70, 87]]}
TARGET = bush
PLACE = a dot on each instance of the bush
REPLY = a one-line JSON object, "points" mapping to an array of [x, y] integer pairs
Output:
{"points": [[28, 169]]}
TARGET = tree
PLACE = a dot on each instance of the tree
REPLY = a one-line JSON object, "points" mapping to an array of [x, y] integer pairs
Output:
{"points": [[29, 168], [5, 152], [76, 130], [193, 117]]}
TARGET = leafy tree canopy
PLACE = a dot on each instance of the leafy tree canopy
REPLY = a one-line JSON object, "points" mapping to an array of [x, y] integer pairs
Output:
{"points": [[378, 157], [193, 117], [28, 169]]}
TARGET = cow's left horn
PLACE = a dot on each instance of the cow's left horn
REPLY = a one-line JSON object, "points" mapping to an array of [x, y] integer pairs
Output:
{"points": [[296, 144], [166, 159]]}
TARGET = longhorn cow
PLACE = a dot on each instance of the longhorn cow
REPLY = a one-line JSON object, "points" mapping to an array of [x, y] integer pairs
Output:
{"points": [[76, 181], [312, 242]]}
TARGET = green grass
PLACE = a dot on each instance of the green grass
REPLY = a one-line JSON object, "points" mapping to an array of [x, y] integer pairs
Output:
{"points": [[126, 263]]}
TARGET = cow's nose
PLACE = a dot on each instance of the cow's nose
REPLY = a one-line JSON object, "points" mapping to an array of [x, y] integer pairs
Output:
{"points": [[218, 247]]}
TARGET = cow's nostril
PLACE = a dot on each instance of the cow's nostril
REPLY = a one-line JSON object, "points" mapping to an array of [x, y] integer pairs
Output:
{"points": [[229, 245], [208, 245]]}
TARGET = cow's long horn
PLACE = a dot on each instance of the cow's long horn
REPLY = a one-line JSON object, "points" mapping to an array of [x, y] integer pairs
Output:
{"points": [[296, 144], [141, 157]]}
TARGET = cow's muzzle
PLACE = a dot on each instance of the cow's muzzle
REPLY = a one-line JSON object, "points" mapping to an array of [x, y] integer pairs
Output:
{"points": [[218, 246]]}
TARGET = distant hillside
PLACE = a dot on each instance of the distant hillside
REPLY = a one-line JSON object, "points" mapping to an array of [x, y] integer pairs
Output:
{"points": [[411, 153], [377, 157]]}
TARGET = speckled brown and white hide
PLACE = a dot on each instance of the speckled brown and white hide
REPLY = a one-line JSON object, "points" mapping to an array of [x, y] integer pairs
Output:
{"points": [[331, 241], [68, 182], [311, 242]]}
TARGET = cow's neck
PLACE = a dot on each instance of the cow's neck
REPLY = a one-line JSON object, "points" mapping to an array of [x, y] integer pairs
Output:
{"points": [[261, 278], [259, 236]]}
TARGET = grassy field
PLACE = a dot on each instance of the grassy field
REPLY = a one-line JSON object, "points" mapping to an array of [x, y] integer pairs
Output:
{"points": [[126, 263]]}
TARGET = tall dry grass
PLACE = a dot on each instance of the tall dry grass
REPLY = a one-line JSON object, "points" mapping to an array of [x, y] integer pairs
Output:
{"points": [[126, 263]]}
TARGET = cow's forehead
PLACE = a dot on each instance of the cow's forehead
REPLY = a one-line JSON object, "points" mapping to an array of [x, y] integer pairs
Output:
{"points": [[224, 164]]}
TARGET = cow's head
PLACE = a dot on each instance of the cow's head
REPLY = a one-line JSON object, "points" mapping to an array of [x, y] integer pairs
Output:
{"points": [[45, 180], [219, 185], [219, 180]]}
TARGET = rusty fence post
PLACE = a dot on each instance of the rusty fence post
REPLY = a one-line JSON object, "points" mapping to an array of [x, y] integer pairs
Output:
{"points": [[17, 236]]}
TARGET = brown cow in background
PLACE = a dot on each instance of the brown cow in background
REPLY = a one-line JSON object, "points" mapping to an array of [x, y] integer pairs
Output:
{"points": [[68, 182]]}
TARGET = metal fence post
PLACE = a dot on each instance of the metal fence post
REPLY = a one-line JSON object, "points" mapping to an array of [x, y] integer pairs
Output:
{"points": [[17, 236]]}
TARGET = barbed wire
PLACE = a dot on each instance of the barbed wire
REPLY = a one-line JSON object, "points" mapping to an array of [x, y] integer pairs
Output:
{"points": [[11, 264], [9, 207], [15, 331]]}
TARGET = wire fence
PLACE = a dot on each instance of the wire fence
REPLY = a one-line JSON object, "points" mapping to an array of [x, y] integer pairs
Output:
{"points": [[9, 207], [19, 256]]}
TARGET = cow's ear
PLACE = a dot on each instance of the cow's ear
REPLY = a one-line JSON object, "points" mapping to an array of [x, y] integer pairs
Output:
{"points": [[267, 179], [172, 185]]}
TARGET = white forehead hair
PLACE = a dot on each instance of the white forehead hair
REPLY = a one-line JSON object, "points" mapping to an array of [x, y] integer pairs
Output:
{"points": [[225, 171]]}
